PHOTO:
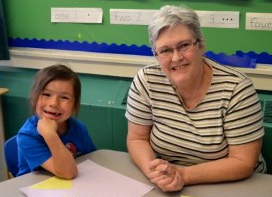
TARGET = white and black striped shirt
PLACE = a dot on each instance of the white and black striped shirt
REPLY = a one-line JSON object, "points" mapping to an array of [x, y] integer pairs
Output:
{"points": [[229, 114]]}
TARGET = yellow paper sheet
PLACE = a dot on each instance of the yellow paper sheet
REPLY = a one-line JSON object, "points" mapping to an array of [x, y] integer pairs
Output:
{"points": [[53, 183]]}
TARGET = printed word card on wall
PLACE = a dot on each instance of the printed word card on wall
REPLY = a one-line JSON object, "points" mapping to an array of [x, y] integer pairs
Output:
{"points": [[259, 21], [130, 16]]}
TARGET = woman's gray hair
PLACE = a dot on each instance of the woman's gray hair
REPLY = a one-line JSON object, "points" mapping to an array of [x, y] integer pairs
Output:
{"points": [[171, 16]]}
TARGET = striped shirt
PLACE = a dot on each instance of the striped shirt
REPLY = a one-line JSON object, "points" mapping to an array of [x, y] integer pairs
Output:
{"points": [[229, 114]]}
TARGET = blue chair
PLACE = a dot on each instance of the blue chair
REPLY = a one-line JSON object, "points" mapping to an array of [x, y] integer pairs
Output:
{"points": [[11, 155]]}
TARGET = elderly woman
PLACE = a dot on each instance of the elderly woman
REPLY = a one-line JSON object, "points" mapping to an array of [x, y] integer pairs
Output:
{"points": [[190, 119]]}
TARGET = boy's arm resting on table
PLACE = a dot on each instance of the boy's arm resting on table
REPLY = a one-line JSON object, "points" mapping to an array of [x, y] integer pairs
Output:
{"points": [[62, 162], [239, 164]]}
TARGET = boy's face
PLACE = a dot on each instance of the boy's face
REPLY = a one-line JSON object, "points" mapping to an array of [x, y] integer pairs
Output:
{"points": [[56, 101]]}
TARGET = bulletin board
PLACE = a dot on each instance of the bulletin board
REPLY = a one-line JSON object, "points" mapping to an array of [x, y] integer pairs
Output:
{"points": [[28, 24]]}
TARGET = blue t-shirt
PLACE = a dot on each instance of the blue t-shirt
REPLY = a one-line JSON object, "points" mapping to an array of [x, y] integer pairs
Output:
{"points": [[33, 150]]}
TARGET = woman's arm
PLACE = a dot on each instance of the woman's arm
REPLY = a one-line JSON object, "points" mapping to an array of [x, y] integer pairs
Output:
{"points": [[138, 145], [239, 164], [159, 171]]}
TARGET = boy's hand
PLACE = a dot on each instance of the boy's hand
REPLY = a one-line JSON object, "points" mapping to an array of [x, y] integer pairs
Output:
{"points": [[47, 127]]}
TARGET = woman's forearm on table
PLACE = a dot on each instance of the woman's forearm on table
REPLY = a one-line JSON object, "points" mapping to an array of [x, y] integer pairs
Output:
{"points": [[141, 153], [222, 170]]}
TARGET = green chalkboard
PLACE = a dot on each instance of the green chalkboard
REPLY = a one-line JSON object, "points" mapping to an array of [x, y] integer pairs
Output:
{"points": [[31, 19]]}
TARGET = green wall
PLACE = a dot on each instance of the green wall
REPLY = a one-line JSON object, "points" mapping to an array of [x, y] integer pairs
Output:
{"points": [[4, 53], [31, 19], [266, 149]]}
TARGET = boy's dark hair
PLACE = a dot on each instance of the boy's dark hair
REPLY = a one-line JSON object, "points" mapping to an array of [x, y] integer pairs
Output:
{"points": [[51, 73]]}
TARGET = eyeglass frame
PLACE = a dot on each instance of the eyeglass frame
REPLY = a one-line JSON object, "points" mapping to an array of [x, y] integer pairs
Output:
{"points": [[178, 48]]}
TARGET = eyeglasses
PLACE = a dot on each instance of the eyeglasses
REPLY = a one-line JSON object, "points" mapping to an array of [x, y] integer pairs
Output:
{"points": [[181, 49]]}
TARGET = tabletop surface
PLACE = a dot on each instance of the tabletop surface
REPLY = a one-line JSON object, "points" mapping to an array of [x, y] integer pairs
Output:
{"points": [[258, 185]]}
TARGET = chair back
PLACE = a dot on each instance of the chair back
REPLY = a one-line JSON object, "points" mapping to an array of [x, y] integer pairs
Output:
{"points": [[11, 155]]}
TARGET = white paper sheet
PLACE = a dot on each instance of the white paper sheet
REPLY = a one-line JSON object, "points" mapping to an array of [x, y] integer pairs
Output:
{"points": [[92, 180]]}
